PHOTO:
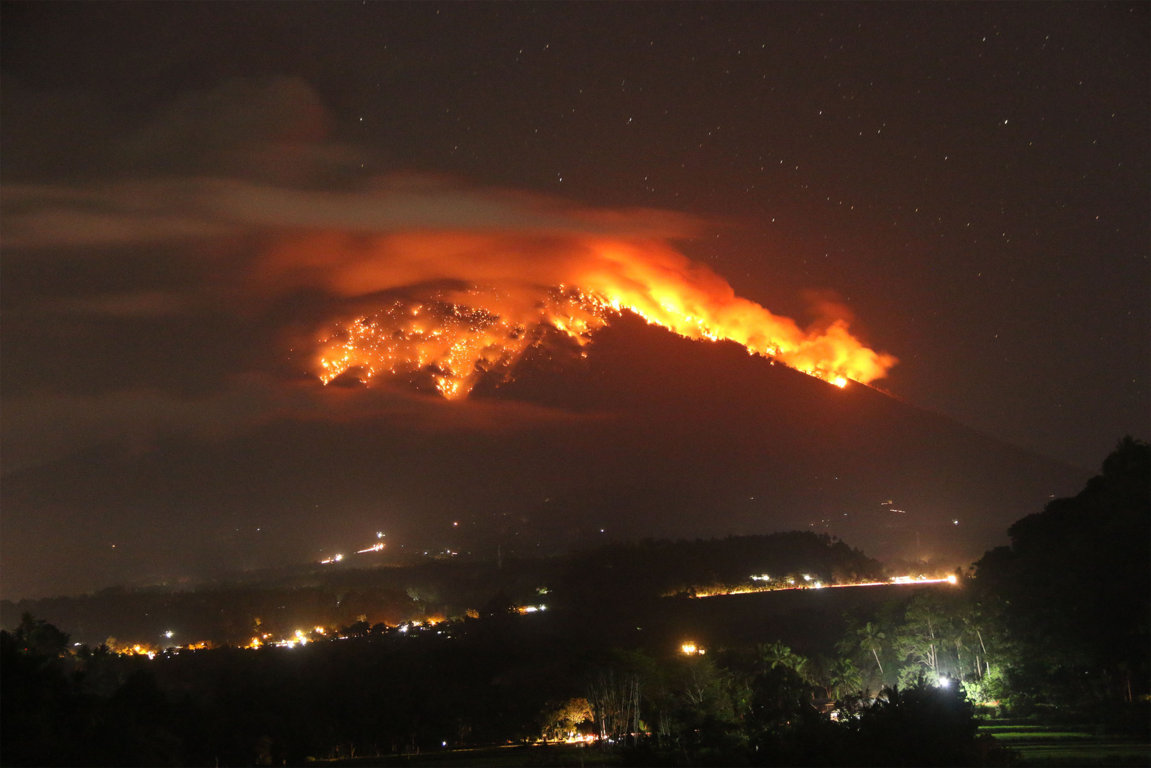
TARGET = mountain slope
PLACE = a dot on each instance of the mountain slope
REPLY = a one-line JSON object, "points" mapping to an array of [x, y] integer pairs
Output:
{"points": [[651, 435], [727, 442]]}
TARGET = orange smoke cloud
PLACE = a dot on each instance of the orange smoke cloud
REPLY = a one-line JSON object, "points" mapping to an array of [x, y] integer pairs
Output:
{"points": [[444, 309]]}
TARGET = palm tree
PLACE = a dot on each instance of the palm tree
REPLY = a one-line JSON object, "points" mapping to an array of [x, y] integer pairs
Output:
{"points": [[779, 655], [774, 654], [871, 639], [845, 678], [801, 666]]}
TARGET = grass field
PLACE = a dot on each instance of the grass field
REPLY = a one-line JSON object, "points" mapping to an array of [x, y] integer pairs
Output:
{"points": [[1035, 744], [1039, 744]]}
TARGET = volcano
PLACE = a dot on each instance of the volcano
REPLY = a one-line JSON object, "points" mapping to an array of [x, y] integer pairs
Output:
{"points": [[641, 434], [700, 439]]}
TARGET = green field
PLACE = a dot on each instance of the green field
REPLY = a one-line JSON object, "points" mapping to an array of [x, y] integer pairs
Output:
{"points": [[1059, 745], [1035, 744]]}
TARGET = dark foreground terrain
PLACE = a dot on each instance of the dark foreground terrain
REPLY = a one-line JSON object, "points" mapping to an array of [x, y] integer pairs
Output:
{"points": [[1038, 656]]}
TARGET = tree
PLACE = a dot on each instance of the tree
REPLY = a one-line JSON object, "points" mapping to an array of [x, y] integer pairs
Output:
{"points": [[973, 633], [43, 713], [1071, 592], [706, 701], [921, 637], [615, 700], [779, 697], [777, 654], [845, 678], [561, 721], [918, 725], [40, 638], [871, 639]]}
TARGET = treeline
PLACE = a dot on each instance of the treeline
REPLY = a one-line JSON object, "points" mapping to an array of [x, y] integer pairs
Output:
{"points": [[497, 680], [222, 614], [669, 567], [1058, 622], [227, 706], [1071, 595]]}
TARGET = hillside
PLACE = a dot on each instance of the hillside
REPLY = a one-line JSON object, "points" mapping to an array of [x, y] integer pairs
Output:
{"points": [[651, 435]]}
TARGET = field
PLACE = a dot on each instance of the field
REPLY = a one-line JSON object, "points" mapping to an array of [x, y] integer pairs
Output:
{"points": [[1034, 743], [1059, 745]]}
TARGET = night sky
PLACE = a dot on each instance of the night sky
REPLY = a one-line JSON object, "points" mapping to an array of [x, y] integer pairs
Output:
{"points": [[969, 182]]}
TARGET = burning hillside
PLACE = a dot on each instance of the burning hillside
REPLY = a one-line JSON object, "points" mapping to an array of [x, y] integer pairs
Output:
{"points": [[448, 308]]}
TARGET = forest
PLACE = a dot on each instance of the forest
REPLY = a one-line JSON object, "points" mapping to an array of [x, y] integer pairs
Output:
{"points": [[624, 667]]}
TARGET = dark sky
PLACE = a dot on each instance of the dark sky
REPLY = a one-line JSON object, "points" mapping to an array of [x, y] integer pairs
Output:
{"points": [[969, 180]]}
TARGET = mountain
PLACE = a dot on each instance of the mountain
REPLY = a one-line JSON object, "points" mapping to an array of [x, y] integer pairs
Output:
{"points": [[698, 438], [650, 436]]}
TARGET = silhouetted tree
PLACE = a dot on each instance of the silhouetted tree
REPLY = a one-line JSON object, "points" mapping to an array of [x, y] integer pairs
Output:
{"points": [[1071, 593], [38, 637], [42, 712], [919, 725]]}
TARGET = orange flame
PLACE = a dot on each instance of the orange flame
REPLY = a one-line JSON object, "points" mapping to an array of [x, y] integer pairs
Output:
{"points": [[456, 307]]}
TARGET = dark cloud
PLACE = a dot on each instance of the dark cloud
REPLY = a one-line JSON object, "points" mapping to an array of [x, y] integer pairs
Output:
{"points": [[274, 129]]}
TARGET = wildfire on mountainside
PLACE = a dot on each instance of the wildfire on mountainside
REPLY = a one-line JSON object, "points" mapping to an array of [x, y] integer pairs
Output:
{"points": [[452, 309]]}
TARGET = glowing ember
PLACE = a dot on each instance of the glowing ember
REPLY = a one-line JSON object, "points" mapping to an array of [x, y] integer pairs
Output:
{"points": [[450, 309]]}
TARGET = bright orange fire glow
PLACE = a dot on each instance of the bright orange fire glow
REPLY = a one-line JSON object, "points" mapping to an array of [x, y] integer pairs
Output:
{"points": [[450, 308]]}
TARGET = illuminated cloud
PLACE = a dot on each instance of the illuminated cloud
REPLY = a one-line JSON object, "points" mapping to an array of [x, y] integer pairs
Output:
{"points": [[491, 270]]}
